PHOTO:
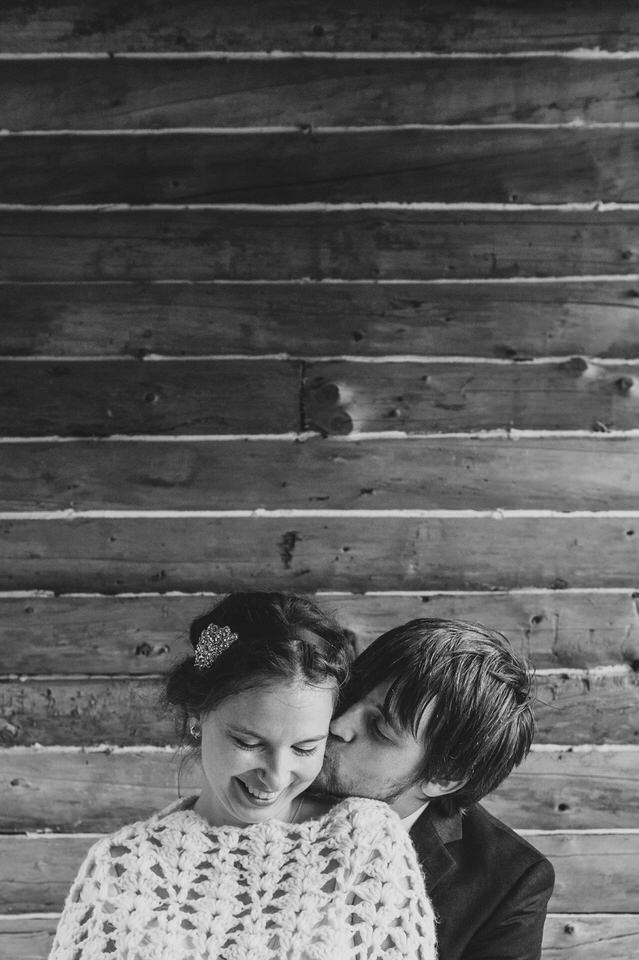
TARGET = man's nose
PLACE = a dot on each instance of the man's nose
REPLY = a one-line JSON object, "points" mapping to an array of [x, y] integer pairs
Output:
{"points": [[344, 726]]}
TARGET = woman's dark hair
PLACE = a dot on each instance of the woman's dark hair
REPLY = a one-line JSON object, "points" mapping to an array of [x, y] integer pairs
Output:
{"points": [[280, 637]]}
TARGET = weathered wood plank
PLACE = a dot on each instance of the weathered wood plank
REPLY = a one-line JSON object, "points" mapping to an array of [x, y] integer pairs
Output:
{"points": [[468, 26], [43, 867], [27, 937], [283, 244], [107, 397], [138, 635], [566, 473], [100, 398], [342, 397], [569, 936], [591, 937], [151, 93], [115, 555], [510, 319], [97, 790], [481, 165], [571, 789], [588, 708]]}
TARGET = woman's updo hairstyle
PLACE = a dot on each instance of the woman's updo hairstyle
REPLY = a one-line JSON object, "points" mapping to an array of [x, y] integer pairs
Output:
{"points": [[279, 637]]}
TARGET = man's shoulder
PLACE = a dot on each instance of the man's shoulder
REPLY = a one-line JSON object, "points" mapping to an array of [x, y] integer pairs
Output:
{"points": [[484, 842]]}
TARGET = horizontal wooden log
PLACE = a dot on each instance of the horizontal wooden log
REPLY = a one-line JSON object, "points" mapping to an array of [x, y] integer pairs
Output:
{"points": [[594, 872], [97, 790], [138, 635], [150, 93], [344, 244], [574, 473], [587, 708], [99, 398], [27, 937], [342, 397], [468, 26], [568, 936], [506, 320], [572, 937], [104, 398], [590, 937], [115, 555], [478, 165]]}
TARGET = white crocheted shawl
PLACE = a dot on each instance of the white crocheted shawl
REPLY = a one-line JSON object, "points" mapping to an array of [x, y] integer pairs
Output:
{"points": [[343, 886]]}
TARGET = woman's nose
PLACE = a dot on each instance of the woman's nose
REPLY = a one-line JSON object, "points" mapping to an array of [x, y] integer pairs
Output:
{"points": [[275, 775]]}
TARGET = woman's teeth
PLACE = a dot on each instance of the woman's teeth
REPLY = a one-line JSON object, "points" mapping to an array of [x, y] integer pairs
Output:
{"points": [[260, 794]]}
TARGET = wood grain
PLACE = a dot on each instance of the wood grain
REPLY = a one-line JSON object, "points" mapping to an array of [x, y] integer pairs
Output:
{"points": [[155, 93], [99, 789], [563, 473], [42, 869], [341, 397], [478, 165], [508, 320], [590, 708], [282, 244], [64, 25], [101, 398], [567, 936], [591, 937], [112, 555], [137, 635]]}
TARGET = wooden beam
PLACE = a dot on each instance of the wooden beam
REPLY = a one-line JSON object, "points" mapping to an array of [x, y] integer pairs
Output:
{"points": [[111, 93], [589, 708], [567, 936], [98, 789], [455, 165], [308, 553], [341, 397], [143, 634], [99, 398], [563, 473], [507, 320], [582, 936], [468, 26], [343, 244], [41, 869]]}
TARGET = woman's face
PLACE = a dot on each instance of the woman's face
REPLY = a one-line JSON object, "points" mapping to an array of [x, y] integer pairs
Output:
{"points": [[261, 748]]}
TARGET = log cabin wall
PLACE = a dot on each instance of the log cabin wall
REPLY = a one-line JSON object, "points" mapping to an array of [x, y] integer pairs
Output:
{"points": [[338, 299]]}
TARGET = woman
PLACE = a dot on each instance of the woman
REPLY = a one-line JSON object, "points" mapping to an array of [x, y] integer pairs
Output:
{"points": [[252, 868]]}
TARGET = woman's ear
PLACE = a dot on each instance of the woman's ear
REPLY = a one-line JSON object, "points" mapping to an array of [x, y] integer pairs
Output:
{"points": [[431, 789]]}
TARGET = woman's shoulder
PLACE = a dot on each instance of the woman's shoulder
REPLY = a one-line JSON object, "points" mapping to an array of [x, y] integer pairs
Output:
{"points": [[174, 816]]}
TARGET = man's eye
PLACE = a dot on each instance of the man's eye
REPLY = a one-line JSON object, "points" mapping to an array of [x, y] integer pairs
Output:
{"points": [[378, 732]]}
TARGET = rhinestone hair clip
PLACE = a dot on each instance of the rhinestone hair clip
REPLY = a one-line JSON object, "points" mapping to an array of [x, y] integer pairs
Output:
{"points": [[214, 640]]}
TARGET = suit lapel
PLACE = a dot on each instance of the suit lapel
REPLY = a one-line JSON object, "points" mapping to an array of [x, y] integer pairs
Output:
{"points": [[430, 833]]}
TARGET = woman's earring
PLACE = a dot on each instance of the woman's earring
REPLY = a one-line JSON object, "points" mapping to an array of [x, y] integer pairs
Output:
{"points": [[195, 729]]}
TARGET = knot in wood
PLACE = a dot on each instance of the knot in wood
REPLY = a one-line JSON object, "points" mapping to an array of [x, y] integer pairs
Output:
{"points": [[576, 366], [624, 384]]}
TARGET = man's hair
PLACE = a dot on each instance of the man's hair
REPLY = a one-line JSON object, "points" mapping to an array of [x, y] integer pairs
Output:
{"points": [[481, 694]]}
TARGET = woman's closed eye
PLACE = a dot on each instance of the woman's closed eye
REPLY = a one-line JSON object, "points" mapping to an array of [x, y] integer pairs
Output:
{"points": [[301, 751]]}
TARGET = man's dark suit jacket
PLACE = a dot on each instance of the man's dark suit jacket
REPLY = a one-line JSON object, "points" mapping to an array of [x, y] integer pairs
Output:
{"points": [[488, 886]]}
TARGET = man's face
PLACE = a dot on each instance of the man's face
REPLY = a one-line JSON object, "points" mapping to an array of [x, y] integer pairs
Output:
{"points": [[366, 756]]}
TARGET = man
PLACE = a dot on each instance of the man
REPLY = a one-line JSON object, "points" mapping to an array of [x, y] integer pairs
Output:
{"points": [[436, 715]]}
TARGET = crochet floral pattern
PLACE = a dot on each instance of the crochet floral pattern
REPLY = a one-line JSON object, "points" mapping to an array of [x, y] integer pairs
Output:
{"points": [[344, 886]]}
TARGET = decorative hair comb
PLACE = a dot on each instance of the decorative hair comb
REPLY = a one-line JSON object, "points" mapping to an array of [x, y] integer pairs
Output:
{"points": [[213, 641]]}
